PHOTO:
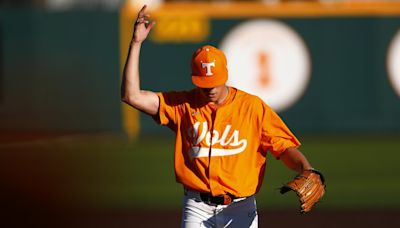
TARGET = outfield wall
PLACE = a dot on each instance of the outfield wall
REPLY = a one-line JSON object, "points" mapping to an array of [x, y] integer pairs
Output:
{"points": [[60, 70], [349, 88]]}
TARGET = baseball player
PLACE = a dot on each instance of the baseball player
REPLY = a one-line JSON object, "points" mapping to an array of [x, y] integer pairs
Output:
{"points": [[222, 138]]}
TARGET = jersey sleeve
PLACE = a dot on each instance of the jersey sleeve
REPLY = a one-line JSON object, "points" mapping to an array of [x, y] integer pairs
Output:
{"points": [[276, 136], [169, 110]]}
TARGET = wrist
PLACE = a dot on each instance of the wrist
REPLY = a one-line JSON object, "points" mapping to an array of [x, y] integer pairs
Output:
{"points": [[136, 43]]}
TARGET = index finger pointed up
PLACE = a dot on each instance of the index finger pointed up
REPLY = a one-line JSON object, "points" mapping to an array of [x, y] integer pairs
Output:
{"points": [[141, 12]]}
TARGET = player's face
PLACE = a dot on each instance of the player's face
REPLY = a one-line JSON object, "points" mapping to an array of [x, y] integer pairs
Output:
{"points": [[216, 94]]}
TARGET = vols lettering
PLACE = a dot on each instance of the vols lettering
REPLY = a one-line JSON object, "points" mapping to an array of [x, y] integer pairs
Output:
{"points": [[233, 141]]}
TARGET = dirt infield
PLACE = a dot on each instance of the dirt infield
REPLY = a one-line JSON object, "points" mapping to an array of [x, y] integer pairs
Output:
{"points": [[158, 218]]}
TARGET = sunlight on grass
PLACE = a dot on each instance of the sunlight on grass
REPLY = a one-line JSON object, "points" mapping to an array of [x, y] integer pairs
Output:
{"points": [[112, 172]]}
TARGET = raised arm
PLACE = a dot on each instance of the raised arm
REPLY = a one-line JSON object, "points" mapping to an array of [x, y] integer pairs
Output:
{"points": [[145, 101]]}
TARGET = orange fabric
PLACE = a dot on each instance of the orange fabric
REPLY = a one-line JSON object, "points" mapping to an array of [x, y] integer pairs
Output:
{"points": [[209, 67], [232, 159]]}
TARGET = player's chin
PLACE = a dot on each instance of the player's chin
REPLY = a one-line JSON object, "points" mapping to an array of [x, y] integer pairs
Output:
{"points": [[212, 98]]}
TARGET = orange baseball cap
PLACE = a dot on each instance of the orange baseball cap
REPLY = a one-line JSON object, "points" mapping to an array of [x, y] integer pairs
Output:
{"points": [[209, 67]]}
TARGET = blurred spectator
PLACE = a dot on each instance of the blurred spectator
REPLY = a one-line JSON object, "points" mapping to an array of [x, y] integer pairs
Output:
{"points": [[22, 2], [67, 4], [64, 4]]}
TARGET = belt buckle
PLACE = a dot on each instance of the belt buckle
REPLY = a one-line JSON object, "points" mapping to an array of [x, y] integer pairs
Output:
{"points": [[224, 199]]}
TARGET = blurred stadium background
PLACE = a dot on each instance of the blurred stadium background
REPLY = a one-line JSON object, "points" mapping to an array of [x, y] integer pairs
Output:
{"points": [[72, 155]]}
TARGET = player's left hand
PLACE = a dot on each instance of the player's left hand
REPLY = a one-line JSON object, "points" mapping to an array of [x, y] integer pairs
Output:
{"points": [[309, 187]]}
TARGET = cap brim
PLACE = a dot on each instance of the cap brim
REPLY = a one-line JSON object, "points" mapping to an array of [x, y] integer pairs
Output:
{"points": [[208, 82]]}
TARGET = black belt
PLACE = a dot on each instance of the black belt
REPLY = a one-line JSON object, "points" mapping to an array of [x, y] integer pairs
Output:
{"points": [[219, 200]]}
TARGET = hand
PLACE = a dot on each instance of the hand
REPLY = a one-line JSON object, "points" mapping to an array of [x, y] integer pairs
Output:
{"points": [[142, 26], [309, 187]]}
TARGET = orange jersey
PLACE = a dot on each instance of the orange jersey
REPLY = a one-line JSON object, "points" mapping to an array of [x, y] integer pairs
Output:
{"points": [[223, 150]]}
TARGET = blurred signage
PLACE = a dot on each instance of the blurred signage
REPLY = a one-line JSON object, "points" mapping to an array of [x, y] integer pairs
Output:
{"points": [[393, 63], [180, 27], [269, 59]]}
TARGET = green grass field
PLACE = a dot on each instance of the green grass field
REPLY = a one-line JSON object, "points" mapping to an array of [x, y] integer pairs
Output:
{"points": [[108, 171]]}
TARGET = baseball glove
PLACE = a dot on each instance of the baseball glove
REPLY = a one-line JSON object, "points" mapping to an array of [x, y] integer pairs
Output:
{"points": [[309, 187]]}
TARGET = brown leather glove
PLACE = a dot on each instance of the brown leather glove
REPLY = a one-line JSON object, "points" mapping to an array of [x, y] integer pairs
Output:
{"points": [[309, 187]]}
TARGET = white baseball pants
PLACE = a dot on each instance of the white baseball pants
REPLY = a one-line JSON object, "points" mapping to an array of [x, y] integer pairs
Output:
{"points": [[241, 213]]}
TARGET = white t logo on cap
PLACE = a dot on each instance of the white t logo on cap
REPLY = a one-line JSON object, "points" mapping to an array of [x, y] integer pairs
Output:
{"points": [[208, 66]]}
